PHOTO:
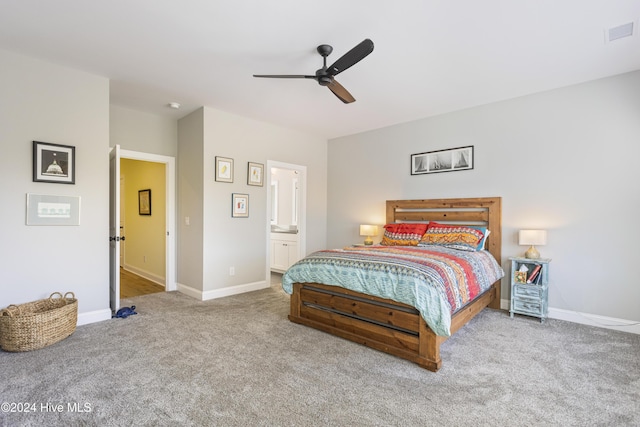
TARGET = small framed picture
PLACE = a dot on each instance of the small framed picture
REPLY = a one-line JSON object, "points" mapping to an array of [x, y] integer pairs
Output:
{"points": [[521, 277], [240, 208], [255, 174], [54, 163], [144, 202], [224, 169]]}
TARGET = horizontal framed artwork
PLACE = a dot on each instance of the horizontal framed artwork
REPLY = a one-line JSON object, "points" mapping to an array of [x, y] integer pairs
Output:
{"points": [[449, 160], [53, 210], [54, 163], [255, 174], [240, 208], [224, 169]]}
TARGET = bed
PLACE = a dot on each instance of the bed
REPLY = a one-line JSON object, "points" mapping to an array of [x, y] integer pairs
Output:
{"points": [[389, 325]]}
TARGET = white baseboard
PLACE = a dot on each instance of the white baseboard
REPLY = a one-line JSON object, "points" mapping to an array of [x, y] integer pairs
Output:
{"points": [[587, 319], [595, 320], [94, 316], [222, 292], [146, 274]]}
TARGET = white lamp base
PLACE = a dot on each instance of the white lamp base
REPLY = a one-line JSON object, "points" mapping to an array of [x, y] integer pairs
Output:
{"points": [[532, 253]]}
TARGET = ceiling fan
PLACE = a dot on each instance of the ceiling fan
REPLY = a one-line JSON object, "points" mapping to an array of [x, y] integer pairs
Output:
{"points": [[325, 75]]}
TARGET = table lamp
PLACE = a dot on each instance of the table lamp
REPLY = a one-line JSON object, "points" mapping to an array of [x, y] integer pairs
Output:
{"points": [[532, 238], [368, 231]]}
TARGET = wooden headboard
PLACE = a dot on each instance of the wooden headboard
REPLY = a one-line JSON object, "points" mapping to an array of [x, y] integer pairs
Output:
{"points": [[485, 211]]}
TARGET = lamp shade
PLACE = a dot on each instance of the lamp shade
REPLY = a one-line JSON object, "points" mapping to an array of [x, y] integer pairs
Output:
{"points": [[532, 237], [368, 230]]}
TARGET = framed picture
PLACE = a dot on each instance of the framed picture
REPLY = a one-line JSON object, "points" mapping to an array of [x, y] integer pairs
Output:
{"points": [[53, 210], [449, 160], [521, 276], [240, 207], [144, 202], [255, 174], [54, 163], [224, 169]]}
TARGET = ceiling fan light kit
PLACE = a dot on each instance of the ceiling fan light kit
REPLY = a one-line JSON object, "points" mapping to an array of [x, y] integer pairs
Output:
{"points": [[325, 75]]}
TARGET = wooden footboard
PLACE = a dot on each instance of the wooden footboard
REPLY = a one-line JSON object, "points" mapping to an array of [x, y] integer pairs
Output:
{"points": [[382, 324]]}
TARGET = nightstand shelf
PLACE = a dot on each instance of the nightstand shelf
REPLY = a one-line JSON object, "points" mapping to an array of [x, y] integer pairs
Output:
{"points": [[530, 299]]}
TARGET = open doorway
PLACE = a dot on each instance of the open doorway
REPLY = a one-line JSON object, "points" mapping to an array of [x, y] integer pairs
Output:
{"points": [[143, 224], [286, 214], [114, 218]]}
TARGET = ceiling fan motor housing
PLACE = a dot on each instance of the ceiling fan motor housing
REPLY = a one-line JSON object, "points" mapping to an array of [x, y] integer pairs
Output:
{"points": [[323, 78]]}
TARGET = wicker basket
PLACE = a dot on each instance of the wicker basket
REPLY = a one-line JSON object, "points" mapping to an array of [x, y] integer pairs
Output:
{"points": [[37, 324]]}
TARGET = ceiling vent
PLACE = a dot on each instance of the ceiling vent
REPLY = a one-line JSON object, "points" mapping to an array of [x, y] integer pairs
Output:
{"points": [[619, 32]]}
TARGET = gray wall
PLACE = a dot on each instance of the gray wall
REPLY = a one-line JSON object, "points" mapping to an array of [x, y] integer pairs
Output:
{"points": [[139, 131], [562, 160], [190, 199], [44, 102], [239, 242]]}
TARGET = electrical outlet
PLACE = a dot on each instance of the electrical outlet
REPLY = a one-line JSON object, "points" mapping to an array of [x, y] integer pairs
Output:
{"points": [[232, 271], [144, 258]]}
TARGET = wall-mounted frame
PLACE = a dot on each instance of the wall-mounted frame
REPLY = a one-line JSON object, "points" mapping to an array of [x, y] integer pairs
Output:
{"points": [[449, 160], [224, 169], [54, 163], [255, 174], [144, 202], [240, 205], [53, 210]]}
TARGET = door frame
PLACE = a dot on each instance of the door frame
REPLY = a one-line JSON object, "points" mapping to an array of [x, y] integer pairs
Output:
{"points": [[170, 222], [302, 209]]}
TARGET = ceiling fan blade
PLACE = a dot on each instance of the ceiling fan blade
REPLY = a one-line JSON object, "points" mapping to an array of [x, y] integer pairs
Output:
{"points": [[339, 91], [352, 57], [284, 76]]}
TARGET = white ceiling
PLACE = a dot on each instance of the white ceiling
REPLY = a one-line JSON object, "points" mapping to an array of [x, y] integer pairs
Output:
{"points": [[430, 56]]}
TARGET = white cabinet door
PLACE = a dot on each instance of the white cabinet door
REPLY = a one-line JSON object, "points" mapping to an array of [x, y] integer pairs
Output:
{"points": [[279, 255], [293, 254]]}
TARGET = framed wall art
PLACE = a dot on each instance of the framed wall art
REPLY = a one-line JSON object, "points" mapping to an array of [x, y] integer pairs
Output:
{"points": [[54, 163], [449, 160], [53, 210], [224, 169], [240, 207], [144, 202], [255, 173]]}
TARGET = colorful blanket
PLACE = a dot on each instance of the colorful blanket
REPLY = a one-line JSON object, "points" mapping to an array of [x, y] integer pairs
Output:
{"points": [[437, 281]]}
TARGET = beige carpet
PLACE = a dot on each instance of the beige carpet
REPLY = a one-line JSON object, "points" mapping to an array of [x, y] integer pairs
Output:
{"points": [[238, 361]]}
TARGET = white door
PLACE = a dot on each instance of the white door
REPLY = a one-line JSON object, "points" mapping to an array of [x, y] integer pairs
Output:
{"points": [[122, 211], [114, 228]]}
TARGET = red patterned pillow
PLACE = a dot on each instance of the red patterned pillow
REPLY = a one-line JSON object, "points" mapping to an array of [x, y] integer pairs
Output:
{"points": [[403, 234], [452, 236]]}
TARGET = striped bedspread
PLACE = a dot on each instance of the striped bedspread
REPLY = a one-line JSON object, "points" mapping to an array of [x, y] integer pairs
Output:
{"points": [[437, 281]]}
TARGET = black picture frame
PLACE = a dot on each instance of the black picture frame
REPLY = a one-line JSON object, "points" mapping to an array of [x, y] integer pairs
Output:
{"points": [[448, 160], [54, 163], [144, 202]]}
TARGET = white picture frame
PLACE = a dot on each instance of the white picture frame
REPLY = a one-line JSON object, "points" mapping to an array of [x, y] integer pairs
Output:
{"points": [[240, 205], [52, 210], [224, 169], [255, 174]]}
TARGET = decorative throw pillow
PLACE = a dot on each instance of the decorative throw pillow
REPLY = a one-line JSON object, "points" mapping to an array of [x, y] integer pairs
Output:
{"points": [[403, 234], [484, 238], [452, 236]]}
